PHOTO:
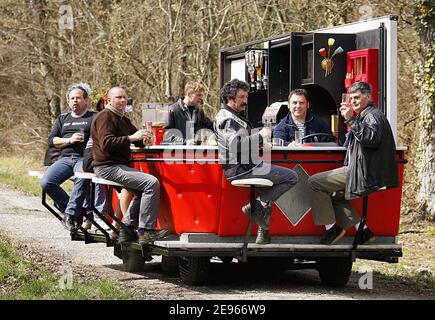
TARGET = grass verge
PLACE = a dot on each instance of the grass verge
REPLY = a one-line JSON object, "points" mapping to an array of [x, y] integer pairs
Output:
{"points": [[416, 268], [14, 173], [21, 279]]}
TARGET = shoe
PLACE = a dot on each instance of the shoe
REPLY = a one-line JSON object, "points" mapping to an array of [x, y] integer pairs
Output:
{"points": [[258, 215], [263, 236], [87, 225], [149, 236], [127, 234], [70, 222], [333, 235], [366, 237]]}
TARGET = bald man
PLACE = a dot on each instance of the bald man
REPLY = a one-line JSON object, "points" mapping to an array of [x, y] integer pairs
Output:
{"points": [[112, 134]]}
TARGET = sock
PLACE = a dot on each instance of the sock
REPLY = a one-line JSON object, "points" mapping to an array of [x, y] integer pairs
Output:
{"points": [[264, 204], [357, 226], [329, 226]]}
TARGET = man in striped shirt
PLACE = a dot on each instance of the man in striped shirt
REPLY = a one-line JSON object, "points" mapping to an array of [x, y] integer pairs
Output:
{"points": [[301, 119]]}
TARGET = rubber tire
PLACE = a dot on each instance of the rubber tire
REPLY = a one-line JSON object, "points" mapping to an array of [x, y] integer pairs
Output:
{"points": [[334, 272], [132, 260], [169, 265], [194, 271]]}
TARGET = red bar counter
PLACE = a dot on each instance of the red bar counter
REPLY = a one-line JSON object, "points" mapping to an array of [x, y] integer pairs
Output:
{"points": [[196, 196]]}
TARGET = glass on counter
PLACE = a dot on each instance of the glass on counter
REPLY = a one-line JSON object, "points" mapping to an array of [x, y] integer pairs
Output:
{"points": [[157, 113]]}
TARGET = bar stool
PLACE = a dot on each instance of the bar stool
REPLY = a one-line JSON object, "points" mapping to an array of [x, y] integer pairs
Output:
{"points": [[362, 222], [251, 183], [90, 176], [110, 184]]}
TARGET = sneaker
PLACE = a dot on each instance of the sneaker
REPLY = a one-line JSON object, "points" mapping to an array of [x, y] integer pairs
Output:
{"points": [[258, 214], [149, 236], [263, 236], [70, 222], [366, 237], [87, 225], [333, 235], [127, 234]]}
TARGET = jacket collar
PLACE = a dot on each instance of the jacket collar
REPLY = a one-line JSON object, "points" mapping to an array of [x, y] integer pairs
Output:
{"points": [[184, 106], [366, 110], [241, 115], [115, 111], [289, 119]]}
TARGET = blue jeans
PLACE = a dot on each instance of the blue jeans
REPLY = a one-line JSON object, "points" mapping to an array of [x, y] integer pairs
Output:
{"points": [[58, 173]]}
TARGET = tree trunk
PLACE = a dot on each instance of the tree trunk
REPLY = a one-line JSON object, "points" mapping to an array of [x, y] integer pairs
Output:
{"points": [[425, 25]]}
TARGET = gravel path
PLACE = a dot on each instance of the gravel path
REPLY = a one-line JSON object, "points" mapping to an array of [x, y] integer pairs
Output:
{"points": [[38, 234]]}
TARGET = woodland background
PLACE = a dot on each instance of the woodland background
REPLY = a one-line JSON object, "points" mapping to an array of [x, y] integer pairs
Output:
{"points": [[153, 47]]}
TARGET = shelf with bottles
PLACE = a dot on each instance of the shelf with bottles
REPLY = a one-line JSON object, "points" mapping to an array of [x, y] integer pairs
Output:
{"points": [[257, 69]]}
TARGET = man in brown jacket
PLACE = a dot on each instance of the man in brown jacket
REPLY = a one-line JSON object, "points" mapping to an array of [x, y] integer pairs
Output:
{"points": [[112, 133]]}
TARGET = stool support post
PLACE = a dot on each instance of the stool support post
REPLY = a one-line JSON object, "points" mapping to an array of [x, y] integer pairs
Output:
{"points": [[110, 211], [92, 204], [362, 223], [244, 253], [49, 208]]}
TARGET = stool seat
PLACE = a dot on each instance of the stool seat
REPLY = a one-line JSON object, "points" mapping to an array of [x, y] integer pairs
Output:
{"points": [[106, 182], [84, 175], [258, 182], [36, 173]]}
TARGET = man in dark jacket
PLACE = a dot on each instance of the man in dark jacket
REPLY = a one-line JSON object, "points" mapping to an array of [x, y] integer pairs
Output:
{"points": [[238, 147], [301, 119], [186, 117], [370, 165]]}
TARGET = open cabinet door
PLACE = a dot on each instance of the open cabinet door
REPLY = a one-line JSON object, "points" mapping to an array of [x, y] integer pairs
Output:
{"points": [[379, 33]]}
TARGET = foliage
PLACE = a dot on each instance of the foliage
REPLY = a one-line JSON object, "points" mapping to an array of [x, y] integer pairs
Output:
{"points": [[425, 159], [21, 279], [14, 173]]}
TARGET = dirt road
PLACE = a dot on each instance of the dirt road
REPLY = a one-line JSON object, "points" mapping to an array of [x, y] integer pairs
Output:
{"points": [[40, 236]]}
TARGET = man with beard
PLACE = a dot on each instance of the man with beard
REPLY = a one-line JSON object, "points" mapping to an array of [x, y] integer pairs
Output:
{"points": [[236, 143]]}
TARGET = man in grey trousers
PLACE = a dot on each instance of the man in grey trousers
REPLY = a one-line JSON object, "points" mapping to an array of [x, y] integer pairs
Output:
{"points": [[112, 134], [370, 164]]}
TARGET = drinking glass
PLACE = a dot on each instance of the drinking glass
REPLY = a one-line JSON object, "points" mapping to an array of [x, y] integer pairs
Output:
{"points": [[345, 98], [298, 137]]}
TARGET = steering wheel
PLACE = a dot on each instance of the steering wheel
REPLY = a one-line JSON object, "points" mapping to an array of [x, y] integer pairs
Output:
{"points": [[324, 135]]}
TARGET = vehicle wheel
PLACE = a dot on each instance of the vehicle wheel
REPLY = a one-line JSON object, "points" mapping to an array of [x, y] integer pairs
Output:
{"points": [[334, 272], [194, 270], [132, 259], [169, 265]]}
